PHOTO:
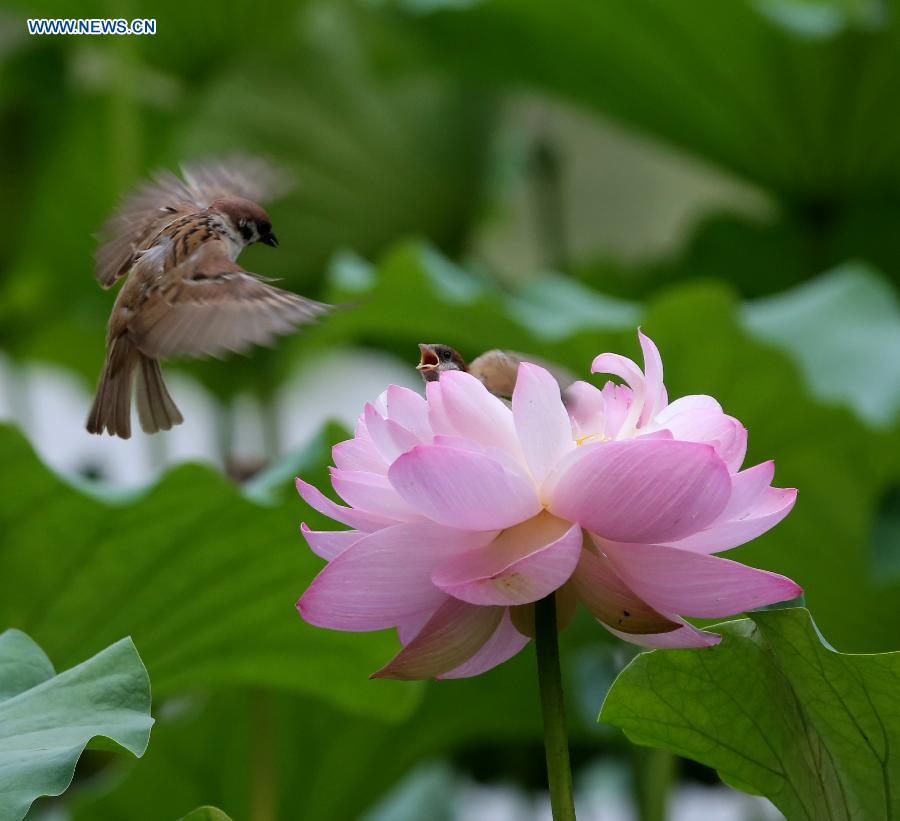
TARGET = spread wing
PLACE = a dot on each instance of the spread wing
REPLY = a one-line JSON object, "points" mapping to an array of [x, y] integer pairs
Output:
{"points": [[213, 307], [239, 176], [154, 204], [498, 370]]}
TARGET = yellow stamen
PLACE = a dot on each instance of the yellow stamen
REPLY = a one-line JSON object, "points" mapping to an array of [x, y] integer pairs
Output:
{"points": [[591, 437]]}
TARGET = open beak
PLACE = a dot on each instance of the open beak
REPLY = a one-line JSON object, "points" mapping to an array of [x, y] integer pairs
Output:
{"points": [[428, 360], [269, 239]]}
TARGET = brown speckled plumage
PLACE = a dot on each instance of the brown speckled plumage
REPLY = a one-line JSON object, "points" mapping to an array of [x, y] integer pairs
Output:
{"points": [[185, 294]]}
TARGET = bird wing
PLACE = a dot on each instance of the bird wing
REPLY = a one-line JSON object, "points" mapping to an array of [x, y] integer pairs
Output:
{"points": [[239, 176], [157, 202], [211, 306], [498, 370]]}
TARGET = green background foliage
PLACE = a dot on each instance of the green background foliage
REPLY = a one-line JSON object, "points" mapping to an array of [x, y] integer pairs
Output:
{"points": [[444, 155]]}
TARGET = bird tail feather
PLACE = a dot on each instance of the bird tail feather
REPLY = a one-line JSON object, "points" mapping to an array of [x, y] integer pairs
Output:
{"points": [[156, 409], [111, 410]]}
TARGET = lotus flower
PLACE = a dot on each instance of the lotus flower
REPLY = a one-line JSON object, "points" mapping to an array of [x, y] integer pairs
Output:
{"points": [[465, 511]]}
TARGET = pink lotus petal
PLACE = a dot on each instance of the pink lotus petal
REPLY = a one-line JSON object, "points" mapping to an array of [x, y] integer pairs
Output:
{"points": [[734, 451], [390, 438], [371, 493], [696, 584], [384, 579], [586, 407], [437, 415], [747, 489], [685, 637], [523, 564], [455, 633], [501, 456], [541, 421], [770, 508], [500, 647], [655, 398], [624, 368], [357, 519], [463, 489], [358, 454], [641, 490], [381, 403], [407, 408], [724, 433], [618, 400], [329, 543], [691, 402], [663, 433], [410, 627], [609, 599], [477, 414], [620, 366]]}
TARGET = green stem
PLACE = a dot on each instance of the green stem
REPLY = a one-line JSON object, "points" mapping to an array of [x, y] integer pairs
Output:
{"points": [[556, 743]]}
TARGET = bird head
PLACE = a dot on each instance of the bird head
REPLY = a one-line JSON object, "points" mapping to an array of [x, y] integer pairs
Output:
{"points": [[434, 359], [250, 221]]}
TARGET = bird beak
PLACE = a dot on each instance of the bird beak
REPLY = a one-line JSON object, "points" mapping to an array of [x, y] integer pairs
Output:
{"points": [[269, 239], [428, 360]]}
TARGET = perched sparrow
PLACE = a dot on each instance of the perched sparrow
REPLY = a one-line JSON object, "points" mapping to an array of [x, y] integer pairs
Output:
{"points": [[177, 242], [496, 369]]}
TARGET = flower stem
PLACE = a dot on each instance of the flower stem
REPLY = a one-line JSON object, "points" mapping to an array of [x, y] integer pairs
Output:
{"points": [[556, 743]]}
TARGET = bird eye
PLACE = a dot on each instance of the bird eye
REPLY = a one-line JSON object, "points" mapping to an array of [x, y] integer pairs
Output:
{"points": [[446, 356]]}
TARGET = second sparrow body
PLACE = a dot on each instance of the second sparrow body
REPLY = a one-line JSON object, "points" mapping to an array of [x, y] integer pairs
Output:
{"points": [[496, 369]]}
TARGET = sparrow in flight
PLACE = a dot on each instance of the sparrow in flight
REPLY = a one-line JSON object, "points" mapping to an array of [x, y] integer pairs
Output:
{"points": [[176, 242], [496, 369]]}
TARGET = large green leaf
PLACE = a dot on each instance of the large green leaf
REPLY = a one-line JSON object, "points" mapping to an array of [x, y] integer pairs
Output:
{"points": [[46, 720], [731, 82], [204, 579], [843, 330], [311, 760], [777, 712]]}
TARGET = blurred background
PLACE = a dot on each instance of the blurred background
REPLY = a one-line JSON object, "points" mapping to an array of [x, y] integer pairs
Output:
{"points": [[535, 176]]}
